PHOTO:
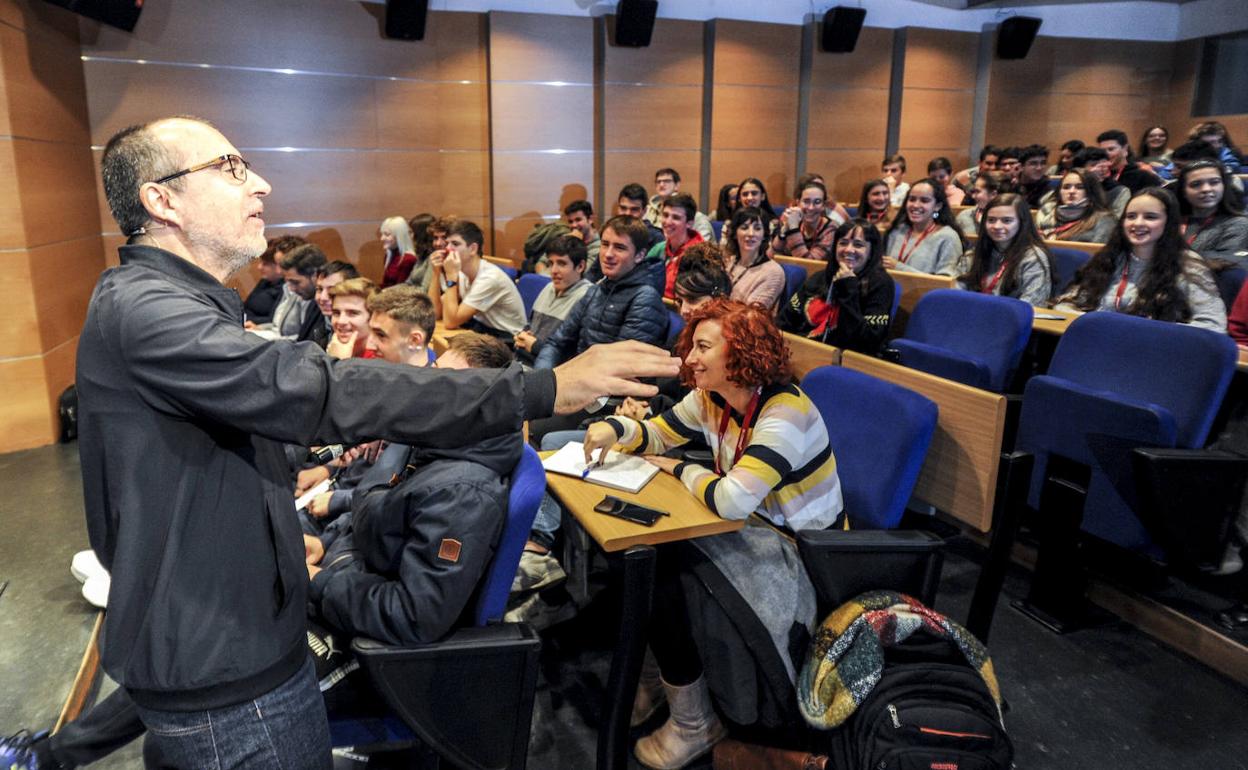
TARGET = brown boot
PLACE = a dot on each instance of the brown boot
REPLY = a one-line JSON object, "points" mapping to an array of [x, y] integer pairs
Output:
{"points": [[649, 691], [690, 731]]}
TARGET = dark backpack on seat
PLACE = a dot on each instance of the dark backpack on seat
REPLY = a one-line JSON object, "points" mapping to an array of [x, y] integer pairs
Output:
{"points": [[929, 711]]}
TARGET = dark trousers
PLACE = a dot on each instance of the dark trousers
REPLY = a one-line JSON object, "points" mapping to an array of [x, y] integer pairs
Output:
{"points": [[670, 633]]}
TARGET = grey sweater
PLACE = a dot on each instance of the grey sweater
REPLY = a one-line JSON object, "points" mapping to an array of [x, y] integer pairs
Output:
{"points": [[1226, 238], [1035, 284], [1101, 228], [1197, 284], [937, 254]]}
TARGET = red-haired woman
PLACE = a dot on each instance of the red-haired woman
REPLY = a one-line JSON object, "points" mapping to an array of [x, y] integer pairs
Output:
{"points": [[772, 466]]}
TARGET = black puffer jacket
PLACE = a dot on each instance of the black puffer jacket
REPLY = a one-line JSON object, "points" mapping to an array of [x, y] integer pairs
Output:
{"points": [[405, 586], [627, 309]]}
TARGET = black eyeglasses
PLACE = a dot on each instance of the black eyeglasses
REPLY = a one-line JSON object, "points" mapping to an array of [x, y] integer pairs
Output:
{"points": [[238, 168]]}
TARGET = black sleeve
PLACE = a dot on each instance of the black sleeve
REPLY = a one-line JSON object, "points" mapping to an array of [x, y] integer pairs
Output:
{"points": [[186, 361]]}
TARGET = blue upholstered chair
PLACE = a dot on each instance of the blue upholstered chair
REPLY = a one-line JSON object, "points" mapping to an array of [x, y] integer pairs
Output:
{"points": [[976, 339], [511, 272], [531, 285], [852, 211], [879, 433], [469, 697], [794, 277], [1116, 383], [1065, 263], [717, 227], [1230, 281]]}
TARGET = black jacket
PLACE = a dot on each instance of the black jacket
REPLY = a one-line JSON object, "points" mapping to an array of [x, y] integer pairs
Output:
{"points": [[862, 323], [186, 490], [627, 309], [400, 586], [262, 301], [1135, 178]]}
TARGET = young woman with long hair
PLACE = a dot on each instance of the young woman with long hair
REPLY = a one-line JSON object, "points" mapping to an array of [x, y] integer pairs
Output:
{"points": [[396, 238], [727, 202], [1009, 259], [752, 193], [925, 240], [986, 187], [805, 229], [1154, 146], [1213, 224], [1078, 211], [875, 205], [849, 303], [755, 277], [1146, 269]]}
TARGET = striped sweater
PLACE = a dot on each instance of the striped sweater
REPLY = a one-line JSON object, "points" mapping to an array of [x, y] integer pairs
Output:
{"points": [[786, 472]]}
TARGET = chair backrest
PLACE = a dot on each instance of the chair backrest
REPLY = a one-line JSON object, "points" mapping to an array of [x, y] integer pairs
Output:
{"points": [[794, 277], [892, 315], [852, 211], [528, 483], [778, 208], [1230, 281], [510, 271], [1065, 263], [991, 330], [530, 285], [879, 433], [717, 227], [1181, 368], [675, 325]]}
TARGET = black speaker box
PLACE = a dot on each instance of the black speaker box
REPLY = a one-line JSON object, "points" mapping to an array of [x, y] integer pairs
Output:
{"points": [[1015, 36], [122, 14], [634, 22], [841, 26], [405, 19]]}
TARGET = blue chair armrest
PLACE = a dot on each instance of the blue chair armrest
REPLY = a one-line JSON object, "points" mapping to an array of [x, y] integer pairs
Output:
{"points": [[943, 363]]}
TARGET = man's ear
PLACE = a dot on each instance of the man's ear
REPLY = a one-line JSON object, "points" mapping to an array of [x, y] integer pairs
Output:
{"points": [[158, 204], [416, 338]]}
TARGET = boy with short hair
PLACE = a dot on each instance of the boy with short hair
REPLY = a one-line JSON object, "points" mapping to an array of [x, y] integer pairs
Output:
{"points": [[471, 292]]}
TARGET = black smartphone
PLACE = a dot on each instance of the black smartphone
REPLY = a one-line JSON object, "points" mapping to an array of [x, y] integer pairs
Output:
{"points": [[621, 509]]}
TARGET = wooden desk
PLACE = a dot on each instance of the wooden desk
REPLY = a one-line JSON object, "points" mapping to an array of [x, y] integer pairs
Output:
{"points": [[689, 517], [1087, 248], [809, 354], [1053, 326], [959, 474], [632, 547], [501, 261], [442, 336], [811, 266], [1243, 360]]}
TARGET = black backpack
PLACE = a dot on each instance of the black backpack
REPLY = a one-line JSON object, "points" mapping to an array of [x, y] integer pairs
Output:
{"points": [[67, 408], [929, 711]]}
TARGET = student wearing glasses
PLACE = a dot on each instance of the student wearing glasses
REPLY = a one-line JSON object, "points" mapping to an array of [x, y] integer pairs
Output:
{"points": [[805, 229]]}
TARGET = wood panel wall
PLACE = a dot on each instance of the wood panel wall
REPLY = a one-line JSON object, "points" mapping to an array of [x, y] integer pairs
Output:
{"points": [[347, 126], [541, 115], [848, 121], [755, 105], [652, 111], [1071, 89], [938, 98], [50, 254]]}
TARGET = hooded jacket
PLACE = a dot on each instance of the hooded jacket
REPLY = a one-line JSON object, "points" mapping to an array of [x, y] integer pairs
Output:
{"points": [[419, 546], [186, 486]]}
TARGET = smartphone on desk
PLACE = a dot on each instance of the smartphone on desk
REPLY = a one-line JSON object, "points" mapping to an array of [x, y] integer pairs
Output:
{"points": [[622, 509]]}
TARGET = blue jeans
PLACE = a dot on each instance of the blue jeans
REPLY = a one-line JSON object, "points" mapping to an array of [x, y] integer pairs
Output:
{"points": [[550, 515], [283, 728]]}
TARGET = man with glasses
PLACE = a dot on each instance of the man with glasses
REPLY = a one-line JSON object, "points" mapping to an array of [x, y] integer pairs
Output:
{"points": [[187, 497], [667, 182]]}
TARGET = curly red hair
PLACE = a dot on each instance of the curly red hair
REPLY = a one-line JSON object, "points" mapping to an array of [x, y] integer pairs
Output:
{"points": [[757, 353]]}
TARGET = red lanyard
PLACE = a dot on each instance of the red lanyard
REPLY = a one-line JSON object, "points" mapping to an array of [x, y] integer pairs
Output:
{"points": [[1050, 233], [1208, 221], [904, 256], [743, 437], [986, 287], [1122, 285]]}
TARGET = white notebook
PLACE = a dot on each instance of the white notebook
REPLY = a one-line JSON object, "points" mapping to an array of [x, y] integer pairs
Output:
{"points": [[627, 473]]}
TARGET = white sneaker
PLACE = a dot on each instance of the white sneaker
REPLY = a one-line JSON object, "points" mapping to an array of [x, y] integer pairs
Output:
{"points": [[85, 566], [95, 590]]}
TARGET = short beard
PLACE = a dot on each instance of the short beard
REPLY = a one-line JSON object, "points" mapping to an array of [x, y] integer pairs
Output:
{"points": [[224, 259]]}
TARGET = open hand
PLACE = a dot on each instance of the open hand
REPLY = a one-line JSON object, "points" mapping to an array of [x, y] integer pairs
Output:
{"points": [[611, 370]]}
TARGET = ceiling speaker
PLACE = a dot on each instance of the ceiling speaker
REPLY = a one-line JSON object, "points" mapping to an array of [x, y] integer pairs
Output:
{"points": [[841, 26], [122, 14], [405, 19], [1015, 36], [634, 22]]}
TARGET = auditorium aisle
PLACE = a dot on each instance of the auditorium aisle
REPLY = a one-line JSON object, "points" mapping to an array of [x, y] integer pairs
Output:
{"points": [[1105, 698]]}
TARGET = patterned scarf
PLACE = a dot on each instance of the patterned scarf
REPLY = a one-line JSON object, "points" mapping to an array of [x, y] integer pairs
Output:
{"points": [[846, 657]]}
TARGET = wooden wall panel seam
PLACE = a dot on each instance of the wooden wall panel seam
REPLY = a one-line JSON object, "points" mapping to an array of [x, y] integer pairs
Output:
{"points": [[281, 71]]}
